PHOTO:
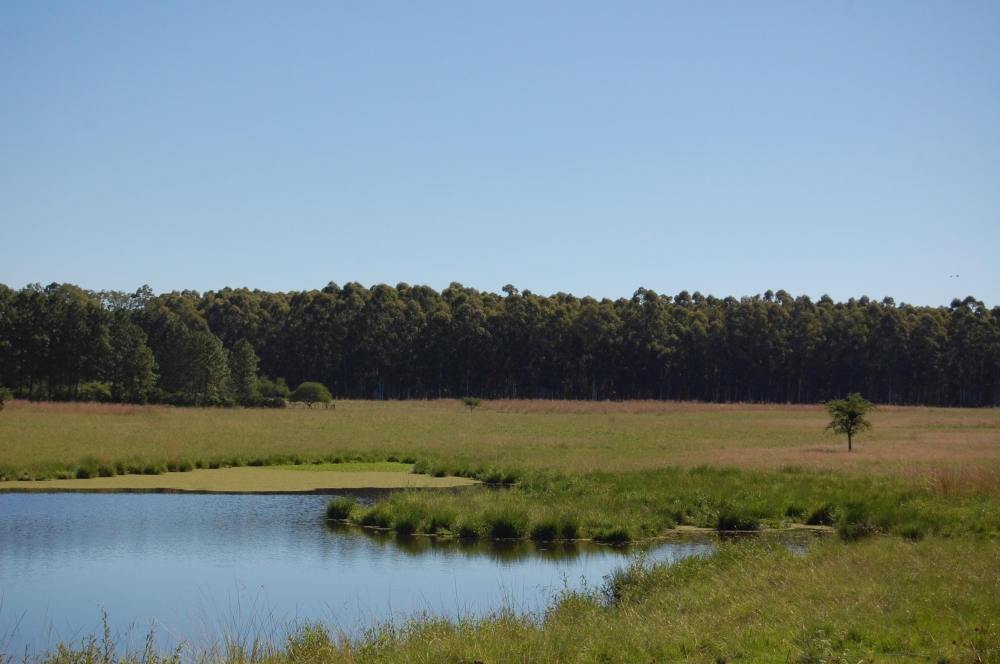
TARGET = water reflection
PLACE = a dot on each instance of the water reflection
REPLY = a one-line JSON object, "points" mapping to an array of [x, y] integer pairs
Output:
{"points": [[177, 559]]}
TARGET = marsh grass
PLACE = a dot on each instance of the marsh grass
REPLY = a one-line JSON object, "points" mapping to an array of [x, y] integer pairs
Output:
{"points": [[619, 507], [883, 599]]}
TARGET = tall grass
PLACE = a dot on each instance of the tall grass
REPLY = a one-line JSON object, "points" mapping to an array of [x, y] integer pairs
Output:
{"points": [[879, 600], [49, 439], [618, 507]]}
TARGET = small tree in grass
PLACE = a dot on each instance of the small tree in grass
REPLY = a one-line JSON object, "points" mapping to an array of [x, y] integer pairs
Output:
{"points": [[310, 393], [5, 396], [472, 402], [848, 416]]}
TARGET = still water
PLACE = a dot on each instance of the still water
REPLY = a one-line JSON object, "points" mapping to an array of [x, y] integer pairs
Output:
{"points": [[196, 563]]}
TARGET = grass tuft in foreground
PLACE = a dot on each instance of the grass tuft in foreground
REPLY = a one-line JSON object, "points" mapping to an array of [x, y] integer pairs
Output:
{"points": [[883, 599]]}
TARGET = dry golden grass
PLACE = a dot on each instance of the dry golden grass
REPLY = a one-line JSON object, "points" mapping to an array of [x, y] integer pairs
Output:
{"points": [[567, 436]]}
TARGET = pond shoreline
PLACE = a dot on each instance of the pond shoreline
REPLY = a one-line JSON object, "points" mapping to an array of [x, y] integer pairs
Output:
{"points": [[247, 479]]}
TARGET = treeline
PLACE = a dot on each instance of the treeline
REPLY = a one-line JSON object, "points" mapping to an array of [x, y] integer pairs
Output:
{"points": [[62, 342]]}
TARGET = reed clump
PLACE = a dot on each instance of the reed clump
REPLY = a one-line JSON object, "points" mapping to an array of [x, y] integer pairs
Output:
{"points": [[619, 507], [877, 599]]}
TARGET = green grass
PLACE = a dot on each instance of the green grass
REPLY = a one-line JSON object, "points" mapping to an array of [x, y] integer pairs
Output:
{"points": [[499, 439], [351, 467], [915, 568], [619, 506], [884, 599]]}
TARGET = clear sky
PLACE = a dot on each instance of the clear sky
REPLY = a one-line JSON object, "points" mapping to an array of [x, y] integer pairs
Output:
{"points": [[848, 148]]}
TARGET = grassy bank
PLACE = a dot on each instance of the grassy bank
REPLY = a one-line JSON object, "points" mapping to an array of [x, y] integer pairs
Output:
{"points": [[884, 599], [618, 506]]}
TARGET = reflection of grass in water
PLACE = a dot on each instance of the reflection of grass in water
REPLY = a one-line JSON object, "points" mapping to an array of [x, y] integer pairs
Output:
{"points": [[623, 506], [871, 600], [352, 467]]}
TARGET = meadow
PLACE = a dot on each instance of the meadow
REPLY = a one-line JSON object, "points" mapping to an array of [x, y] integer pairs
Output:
{"points": [[912, 572], [44, 439]]}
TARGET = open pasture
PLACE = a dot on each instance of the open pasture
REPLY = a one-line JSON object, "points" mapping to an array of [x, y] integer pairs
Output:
{"points": [[576, 437]]}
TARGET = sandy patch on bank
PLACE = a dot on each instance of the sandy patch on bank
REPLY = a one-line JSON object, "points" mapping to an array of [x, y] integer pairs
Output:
{"points": [[245, 480]]}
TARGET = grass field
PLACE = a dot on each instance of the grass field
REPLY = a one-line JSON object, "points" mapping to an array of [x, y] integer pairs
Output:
{"points": [[913, 576], [43, 439]]}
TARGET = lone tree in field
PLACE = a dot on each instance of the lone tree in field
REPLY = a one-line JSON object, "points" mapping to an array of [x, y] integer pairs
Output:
{"points": [[848, 416], [472, 402], [310, 393], [5, 396]]}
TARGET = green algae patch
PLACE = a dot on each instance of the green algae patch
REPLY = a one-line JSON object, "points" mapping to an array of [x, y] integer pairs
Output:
{"points": [[350, 467], [245, 480]]}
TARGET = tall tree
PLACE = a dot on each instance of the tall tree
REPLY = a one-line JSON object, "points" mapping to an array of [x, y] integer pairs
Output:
{"points": [[132, 366], [243, 363]]}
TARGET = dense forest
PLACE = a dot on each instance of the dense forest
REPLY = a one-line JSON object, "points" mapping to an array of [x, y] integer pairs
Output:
{"points": [[60, 342]]}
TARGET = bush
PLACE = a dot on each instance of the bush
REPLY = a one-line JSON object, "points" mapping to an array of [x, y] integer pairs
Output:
{"points": [[310, 393], [269, 389], [94, 391], [262, 402], [5, 396]]}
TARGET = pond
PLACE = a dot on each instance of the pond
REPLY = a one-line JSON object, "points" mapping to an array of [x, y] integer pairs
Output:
{"points": [[192, 564]]}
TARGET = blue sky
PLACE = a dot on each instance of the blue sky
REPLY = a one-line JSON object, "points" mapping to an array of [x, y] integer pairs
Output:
{"points": [[848, 148]]}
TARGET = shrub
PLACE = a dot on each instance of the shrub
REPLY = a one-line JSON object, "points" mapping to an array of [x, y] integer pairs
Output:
{"points": [[94, 391], [5, 396], [472, 402], [310, 393], [269, 389]]}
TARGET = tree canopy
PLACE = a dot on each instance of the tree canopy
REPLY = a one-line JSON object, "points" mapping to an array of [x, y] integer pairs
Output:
{"points": [[848, 416], [402, 342], [310, 393]]}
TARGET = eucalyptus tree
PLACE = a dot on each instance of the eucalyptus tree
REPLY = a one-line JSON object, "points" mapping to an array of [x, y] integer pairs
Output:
{"points": [[243, 363]]}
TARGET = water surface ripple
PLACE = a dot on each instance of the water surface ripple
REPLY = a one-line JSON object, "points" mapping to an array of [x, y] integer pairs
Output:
{"points": [[179, 560]]}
